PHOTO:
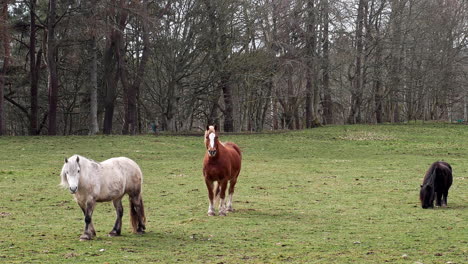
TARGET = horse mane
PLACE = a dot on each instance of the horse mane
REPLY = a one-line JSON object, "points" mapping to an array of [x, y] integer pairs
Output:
{"points": [[429, 178]]}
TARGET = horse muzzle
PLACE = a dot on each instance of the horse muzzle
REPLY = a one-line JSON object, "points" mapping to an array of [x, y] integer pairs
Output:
{"points": [[212, 153], [73, 189]]}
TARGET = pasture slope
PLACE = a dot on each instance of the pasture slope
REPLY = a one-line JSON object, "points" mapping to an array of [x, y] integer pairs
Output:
{"points": [[335, 194]]}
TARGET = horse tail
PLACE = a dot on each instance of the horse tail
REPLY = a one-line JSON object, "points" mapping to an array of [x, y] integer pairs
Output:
{"points": [[137, 214]]}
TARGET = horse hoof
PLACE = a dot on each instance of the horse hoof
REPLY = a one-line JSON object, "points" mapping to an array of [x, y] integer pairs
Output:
{"points": [[230, 209], [222, 213], [113, 234], [211, 214], [85, 238], [140, 232]]}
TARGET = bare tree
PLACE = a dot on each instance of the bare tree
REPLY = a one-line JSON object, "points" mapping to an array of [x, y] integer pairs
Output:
{"points": [[5, 47], [356, 76], [52, 67], [327, 96], [93, 80], [310, 42], [34, 66]]}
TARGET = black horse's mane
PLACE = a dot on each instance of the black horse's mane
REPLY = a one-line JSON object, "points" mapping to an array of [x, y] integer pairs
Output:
{"points": [[431, 175]]}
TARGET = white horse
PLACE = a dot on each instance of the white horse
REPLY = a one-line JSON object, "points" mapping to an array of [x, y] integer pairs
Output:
{"points": [[90, 182]]}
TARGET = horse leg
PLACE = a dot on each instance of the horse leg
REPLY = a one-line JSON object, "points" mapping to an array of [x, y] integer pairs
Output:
{"points": [[438, 198], [222, 196], [444, 199], [89, 231], [118, 222], [209, 186], [217, 190], [232, 184]]}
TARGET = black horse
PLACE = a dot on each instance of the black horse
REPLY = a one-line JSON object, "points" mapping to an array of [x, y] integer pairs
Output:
{"points": [[436, 184]]}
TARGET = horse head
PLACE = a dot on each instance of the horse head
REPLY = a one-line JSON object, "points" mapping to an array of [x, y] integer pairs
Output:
{"points": [[71, 174], [426, 195], [211, 140]]}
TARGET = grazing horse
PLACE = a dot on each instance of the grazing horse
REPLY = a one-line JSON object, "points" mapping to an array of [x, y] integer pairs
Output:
{"points": [[222, 163], [436, 184], [90, 182]]}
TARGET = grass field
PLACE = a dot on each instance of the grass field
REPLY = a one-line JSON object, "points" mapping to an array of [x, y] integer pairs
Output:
{"points": [[337, 194]]}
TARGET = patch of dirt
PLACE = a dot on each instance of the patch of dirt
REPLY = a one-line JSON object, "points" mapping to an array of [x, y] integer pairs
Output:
{"points": [[71, 255], [4, 214]]}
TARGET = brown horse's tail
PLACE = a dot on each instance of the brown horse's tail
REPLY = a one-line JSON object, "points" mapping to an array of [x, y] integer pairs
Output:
{"points": [[137, 214]]}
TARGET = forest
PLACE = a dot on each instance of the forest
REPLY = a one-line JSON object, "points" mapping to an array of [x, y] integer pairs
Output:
{"points": [[140, 66]]}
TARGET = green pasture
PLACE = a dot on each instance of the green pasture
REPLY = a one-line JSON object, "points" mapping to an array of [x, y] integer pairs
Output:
{"points": [[335, 194]]}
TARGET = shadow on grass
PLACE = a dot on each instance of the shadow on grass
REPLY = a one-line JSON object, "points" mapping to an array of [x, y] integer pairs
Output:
{"points": [[454, 207], [271, 215]]}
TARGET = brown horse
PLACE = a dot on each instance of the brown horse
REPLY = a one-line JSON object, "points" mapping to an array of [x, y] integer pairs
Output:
{"points": [[222, 163], [436, 185]]}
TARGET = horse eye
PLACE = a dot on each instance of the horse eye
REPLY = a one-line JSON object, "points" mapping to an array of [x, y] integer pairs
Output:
{"points": [[78, 171]]}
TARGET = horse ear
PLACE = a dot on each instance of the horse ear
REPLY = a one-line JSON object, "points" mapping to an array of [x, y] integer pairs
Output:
{"points": [[216, 128], [77, 159], [66, 160], [207, 127]]}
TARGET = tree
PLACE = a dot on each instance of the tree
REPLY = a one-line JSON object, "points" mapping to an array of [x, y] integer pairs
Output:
{"points": [[5, 47], [93, 80], [114, 62], [310, 42], [327, 96], [34, 67], [52, 67], [356, 76]]}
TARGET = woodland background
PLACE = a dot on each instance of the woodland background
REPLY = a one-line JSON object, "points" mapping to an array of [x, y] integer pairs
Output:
{"points": [[130, 67]]}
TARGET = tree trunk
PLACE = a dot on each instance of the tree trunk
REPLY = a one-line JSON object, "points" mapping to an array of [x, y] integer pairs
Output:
{"points": [[130, 125], [327, 102], [34, 71], [169, 115], [228, 110], [113, 58], [2, 88], [274, 113], [356, 94], [110, 83], [5, 46], [52, 66], [93, 118], [378, 92], [93, 86], [465, 112], [395, 23], [213, 115], [311, 60], [308, 100]]}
